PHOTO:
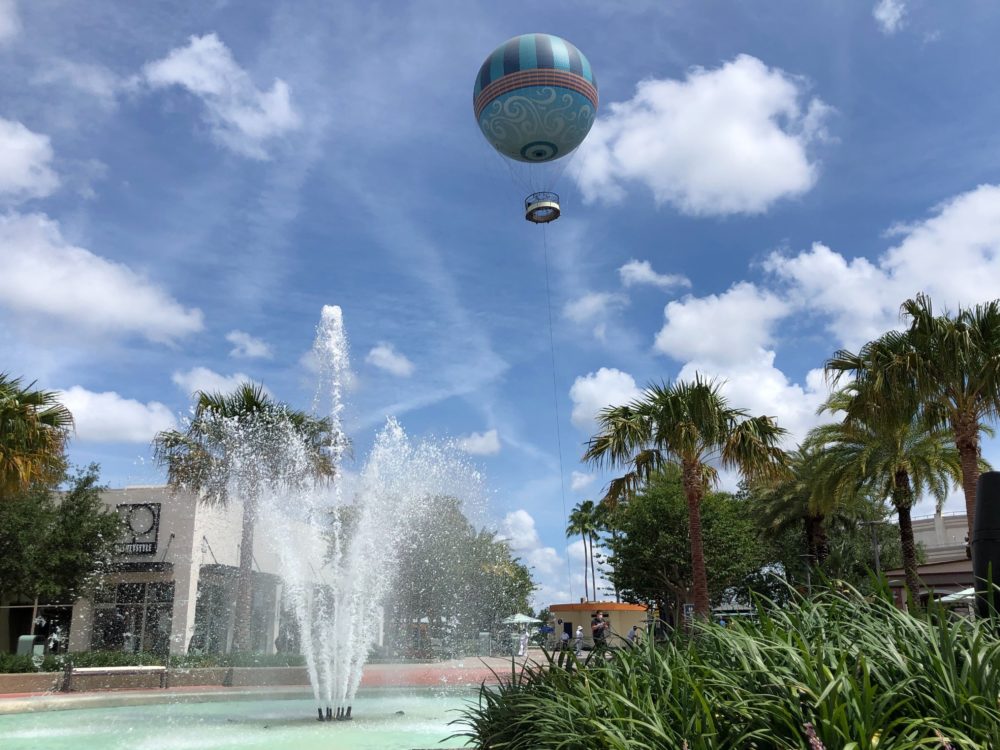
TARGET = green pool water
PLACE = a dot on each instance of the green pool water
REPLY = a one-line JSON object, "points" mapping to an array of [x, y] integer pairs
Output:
{"points": [[278, 724]]}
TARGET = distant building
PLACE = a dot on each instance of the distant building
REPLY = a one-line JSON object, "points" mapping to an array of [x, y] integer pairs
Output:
{"points": [[564, 618], [947, 568], [173, 587]]}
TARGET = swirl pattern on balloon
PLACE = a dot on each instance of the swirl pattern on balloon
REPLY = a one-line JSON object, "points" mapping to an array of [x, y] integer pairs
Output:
{"points": [[537, 124]]}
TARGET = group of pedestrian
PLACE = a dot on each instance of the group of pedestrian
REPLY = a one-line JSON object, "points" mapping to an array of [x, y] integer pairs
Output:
{"points": [[600, 633]]}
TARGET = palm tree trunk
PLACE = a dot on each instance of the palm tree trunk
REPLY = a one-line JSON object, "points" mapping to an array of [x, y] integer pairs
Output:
{"points": [[593, 573], [586, 591], [902, 498], [821, 540], [967, 443], [244, 590], [692, 490]]}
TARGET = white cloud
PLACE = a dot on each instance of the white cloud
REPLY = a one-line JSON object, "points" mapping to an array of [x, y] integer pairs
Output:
{"points": [[637, 272], [96, 81], [10, 23], [593, 305], [592, 392], [580, 481], [247, 346], [720, 328], [242, 116], [732, 140], [25, 163], [480, 443], [889, 15], [385, 357], [756, 385], [954, 256], [209, 381], [45, 275], [548, 568], [110, 418]]}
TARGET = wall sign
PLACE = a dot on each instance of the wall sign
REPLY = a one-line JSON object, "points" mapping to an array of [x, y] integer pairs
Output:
{"points": [[142, 527]]}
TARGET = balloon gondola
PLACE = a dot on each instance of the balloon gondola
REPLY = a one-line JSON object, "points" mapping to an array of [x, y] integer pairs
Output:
{"points": [[535, 100]]}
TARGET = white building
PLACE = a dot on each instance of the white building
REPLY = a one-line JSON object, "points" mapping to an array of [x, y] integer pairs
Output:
{"points": [[173, 585]]}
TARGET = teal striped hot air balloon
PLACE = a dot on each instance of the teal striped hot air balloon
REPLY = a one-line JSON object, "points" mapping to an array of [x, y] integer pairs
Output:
{"points": [[535, 98]]}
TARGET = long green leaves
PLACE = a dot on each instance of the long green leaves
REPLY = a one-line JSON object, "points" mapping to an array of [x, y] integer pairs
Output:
{"points": [[862, 673]]}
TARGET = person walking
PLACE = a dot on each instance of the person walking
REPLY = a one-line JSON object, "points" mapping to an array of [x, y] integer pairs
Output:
{"points": [[599, 630], [579, 640]]}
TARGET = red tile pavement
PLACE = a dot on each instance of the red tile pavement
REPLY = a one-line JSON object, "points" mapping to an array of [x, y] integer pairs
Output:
{"points": [[458, 672]]}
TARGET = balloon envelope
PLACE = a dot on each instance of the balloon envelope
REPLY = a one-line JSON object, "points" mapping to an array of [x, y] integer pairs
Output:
{"points": [[535, 98]]}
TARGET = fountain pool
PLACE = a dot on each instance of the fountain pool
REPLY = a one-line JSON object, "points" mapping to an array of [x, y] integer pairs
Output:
{"points": [[246, 724]]}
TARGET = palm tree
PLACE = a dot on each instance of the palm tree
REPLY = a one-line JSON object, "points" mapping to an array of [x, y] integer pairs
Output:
{"points": [[34, 427], [900, 460], [583, 521], [948, 367], [793, 499], [240, 435], [689, 424]]}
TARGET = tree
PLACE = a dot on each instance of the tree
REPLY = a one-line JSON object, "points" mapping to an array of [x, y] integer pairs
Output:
{"points": [[898, 460], [650, 549], [242, 436], [948, 367], [462, 580], [52, 545], [584, 520], [33, 431], [691, 425], [794, 500]]}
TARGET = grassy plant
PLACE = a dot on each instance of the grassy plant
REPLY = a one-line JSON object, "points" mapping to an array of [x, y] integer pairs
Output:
{"points": [[838, 672]]}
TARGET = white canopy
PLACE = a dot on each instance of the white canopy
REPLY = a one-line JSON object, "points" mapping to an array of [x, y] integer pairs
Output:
{"points": [[519, 619], [965, 595]]}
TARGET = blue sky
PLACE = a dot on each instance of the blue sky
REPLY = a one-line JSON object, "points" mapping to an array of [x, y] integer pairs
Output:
{"points": [[184, 186]]}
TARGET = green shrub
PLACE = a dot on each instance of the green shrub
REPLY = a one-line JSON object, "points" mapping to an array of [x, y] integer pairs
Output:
{"points": [[862, 673], [56, 663], [15, 663]]}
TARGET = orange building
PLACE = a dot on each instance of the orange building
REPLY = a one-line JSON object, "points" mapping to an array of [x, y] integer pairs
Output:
{"points": [[564, 618]]}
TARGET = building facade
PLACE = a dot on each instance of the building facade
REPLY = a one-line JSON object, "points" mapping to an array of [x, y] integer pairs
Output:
{"points": [[172, 588]]}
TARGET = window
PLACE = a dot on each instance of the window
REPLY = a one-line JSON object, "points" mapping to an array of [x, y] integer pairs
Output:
{"points": [[133, 617]]}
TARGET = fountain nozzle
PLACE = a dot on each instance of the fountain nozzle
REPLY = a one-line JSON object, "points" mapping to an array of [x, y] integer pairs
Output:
{"points": [[347, 716], [329, 714], [319, 710]]}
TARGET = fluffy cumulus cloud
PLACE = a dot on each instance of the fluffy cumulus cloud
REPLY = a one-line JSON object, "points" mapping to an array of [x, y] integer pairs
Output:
{"points": [[242, 117], [10, 22], [579, 481], [25, 163], [548, 568], [480, 443], [110, 418], [732, 140], [889, 15], [246, 346], [640, 272], [756, 385], [385, 357], [594, 391], [45, 275], [209, 381], [859, 299], [720, 328]]}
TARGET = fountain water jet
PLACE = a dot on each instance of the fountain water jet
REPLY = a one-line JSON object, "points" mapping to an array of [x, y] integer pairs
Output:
{"points": [[337, 558]]}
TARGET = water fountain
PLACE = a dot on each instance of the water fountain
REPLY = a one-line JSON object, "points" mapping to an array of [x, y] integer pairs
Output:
{"points": [[335, 540]]}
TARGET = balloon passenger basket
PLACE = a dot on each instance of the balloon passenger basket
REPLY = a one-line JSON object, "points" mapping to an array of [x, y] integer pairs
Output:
{"points": [[541, 208]]}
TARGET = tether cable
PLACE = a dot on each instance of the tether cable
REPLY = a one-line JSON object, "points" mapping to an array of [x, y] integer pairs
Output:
{"points": [[555, 398]]}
